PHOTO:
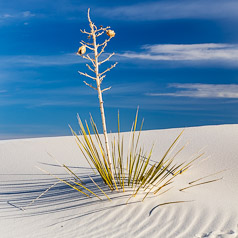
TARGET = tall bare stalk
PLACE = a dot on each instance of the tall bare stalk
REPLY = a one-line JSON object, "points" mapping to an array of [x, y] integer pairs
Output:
{"points": [[97, 49]]}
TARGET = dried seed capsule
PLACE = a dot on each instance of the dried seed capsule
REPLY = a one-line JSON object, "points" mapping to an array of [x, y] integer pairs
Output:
{"points": [[81, 50], [111, 33]]}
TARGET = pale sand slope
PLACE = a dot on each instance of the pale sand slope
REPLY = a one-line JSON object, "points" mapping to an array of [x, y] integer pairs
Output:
{"points": [[63, 212]]}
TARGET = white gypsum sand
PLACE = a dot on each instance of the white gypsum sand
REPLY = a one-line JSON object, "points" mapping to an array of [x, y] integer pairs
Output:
{"points": [[211, 210]]}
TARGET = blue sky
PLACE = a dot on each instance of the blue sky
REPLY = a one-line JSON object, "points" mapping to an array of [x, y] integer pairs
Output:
{"points": [[177, 61]]}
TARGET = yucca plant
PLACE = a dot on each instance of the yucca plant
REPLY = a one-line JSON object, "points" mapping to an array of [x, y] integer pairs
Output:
{"points": [[133, 169], [117, 169]]}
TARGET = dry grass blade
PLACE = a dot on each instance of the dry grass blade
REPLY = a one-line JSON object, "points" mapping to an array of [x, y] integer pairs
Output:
{"points": [[166, 203], [175, 141], [63, 181], [194, 181], [189, 165], [211, 181], [79, 145], [164, 191], [99, 188], [72, 173], [86, 189], [43, 193]]}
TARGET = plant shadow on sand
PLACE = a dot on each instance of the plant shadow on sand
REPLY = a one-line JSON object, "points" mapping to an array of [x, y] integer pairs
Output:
{"points": [[20, 198], [62, 205]]}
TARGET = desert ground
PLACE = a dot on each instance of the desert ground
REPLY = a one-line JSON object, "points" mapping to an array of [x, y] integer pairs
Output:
{"points": [[209, 210]]}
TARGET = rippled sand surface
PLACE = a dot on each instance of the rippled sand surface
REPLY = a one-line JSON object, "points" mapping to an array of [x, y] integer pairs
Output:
{"points": [[210, 210]]}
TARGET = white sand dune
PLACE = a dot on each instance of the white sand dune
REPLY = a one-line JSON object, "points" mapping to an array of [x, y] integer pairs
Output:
{"points": [[211, 210]]}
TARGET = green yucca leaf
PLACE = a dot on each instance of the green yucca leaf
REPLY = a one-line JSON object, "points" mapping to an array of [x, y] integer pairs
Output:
{"points": [[136, 167], [164, 191], [79, 184], [179, 151], [94, 149], [169, 181], [144, 166], [145, 177], [77, 189], [96, 133], [163, 171], [72, 173], [63, 181], [172, 144], [94, 156], [99, 188], [188, 165], [78, 143]]}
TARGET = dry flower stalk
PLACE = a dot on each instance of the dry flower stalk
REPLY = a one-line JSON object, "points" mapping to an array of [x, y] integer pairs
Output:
{"points": [[97, 49]]}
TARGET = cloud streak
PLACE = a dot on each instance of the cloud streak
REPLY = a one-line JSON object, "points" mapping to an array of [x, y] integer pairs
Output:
{"points": [[44, 60], [201, 91], [186, 52], [40, 60], [24, 15], [149, 11], [201, 9]]}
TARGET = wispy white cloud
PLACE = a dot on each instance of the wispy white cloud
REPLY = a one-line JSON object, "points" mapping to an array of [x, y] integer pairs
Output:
{"points": [[39, 60], [27, 14], [24, 15], [172, 9], [202, 91], [203, 53], [143, 11], [45, 60], [5, 16], [186, 52]]}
